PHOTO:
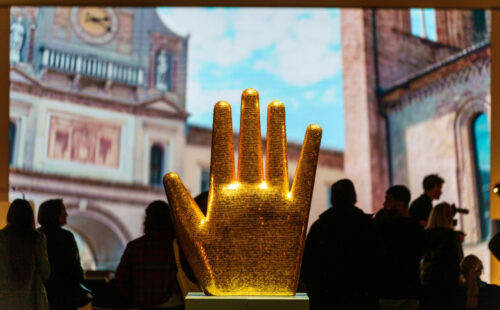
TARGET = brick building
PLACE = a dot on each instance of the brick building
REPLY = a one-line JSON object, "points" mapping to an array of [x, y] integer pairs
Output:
{"points": [[97, 116], [411, 106]]}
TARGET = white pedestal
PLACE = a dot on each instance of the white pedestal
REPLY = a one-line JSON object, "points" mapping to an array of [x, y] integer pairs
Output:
{"points": [[199, 301]]}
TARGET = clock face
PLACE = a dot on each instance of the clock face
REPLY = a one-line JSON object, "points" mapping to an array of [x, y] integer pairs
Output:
{"points": [[95, 25]]}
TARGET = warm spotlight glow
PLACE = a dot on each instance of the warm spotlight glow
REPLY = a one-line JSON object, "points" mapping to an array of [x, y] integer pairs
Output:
{"points": [[232, 186], [263, 185]]}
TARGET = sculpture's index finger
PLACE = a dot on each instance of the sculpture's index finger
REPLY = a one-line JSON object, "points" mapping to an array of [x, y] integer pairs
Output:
{"points": [[222, 156], [250, 144]]}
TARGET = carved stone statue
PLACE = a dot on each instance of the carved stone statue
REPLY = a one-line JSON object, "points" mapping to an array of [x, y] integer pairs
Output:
{"points": [[161, 70], [16, 39]]}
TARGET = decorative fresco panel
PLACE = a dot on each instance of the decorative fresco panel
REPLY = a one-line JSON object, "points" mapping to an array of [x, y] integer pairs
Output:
{"points": [[84, 141]]}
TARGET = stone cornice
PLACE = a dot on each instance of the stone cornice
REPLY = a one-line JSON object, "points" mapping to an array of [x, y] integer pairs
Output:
{"points": [[93, 189], [471, 65], [39, 88]]}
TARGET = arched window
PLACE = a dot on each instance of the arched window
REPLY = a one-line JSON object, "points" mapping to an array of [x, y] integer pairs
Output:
{"points": [[482, 155], [12, 141], [156, 165]]}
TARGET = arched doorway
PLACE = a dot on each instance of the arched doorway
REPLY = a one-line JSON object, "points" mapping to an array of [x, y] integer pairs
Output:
{"points": [[101, 240], [87, 257]]}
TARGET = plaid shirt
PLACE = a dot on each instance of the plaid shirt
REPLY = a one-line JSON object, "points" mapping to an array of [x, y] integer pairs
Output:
{"points": [[147, 270]]}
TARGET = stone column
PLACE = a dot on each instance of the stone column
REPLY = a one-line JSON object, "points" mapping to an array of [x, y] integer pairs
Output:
{"points": [[4, 116], [365, 159]]}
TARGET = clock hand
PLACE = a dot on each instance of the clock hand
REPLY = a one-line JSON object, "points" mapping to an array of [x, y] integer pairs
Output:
{"points": [[99, 21]]}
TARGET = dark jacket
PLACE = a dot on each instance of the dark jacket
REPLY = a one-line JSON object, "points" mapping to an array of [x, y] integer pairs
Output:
{"points": [[421, 208], [494, 245], [403, 243], [440, 269], [66, 271], [147, 270], [25, 292], [340, 260], [488, 297]]}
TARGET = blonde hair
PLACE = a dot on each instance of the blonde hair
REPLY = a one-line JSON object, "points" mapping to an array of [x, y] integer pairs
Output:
{"points": [[441, 216], [471, 268]]}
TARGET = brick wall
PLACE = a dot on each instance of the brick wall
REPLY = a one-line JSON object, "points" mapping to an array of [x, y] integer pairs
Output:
{"points": [[453, 27], [400, 54]]}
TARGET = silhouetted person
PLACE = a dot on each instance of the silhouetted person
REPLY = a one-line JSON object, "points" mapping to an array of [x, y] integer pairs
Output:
{"points": [[494, 245], [403, 245], [340, 256], [147, 270], [67, 273], [421, 207], [24, 265], [439, 269], [474, 293]]}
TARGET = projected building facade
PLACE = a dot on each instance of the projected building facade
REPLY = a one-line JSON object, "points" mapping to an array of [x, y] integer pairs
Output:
{"points": [[98, 115]]}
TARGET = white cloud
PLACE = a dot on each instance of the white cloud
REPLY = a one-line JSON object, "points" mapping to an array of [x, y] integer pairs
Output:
{"points": [[302, 40], [308, 95], [294, 104], [329, 95]]}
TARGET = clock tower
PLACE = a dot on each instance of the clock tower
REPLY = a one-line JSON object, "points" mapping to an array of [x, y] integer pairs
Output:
{"points": [[117, 52]]}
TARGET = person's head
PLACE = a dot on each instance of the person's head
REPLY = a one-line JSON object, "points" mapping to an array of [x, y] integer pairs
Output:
{"points": [[343, 193], [471, 268], [158, 218], [441, 216], [397, 198], [433, 186], [20, 218], [202, 201], [52, 213]]}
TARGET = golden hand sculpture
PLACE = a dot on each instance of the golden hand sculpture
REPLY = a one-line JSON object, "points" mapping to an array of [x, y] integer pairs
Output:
{"points": [[252, 238]]}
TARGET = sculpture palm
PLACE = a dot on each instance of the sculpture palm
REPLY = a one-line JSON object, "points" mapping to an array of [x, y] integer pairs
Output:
{"points": [[252, 238]]}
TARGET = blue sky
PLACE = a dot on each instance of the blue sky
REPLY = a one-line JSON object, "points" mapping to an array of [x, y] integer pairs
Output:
{"points": [[292, 55], [425, 18]]}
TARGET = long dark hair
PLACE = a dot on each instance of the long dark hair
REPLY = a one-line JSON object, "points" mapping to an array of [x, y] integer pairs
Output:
{"points": [[49, 212], [20, 220], [21, 241]]}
